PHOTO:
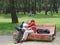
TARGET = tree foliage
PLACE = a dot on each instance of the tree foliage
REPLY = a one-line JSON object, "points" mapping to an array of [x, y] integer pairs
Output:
{"points": [[13, 6], [28, 5]]}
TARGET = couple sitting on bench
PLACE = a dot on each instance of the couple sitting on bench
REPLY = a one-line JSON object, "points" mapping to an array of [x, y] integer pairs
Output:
{"points": [[30, 27]]}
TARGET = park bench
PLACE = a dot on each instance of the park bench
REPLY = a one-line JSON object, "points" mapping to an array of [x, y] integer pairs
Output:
{"points": [[44, 36], [40, 36]]}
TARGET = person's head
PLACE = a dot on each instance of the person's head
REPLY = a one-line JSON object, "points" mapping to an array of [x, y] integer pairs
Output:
{"points": [[22, 22], [32, 20], [28, 21]]}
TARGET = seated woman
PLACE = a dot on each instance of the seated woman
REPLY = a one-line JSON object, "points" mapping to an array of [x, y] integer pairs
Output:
{"points": [[32, 25]]}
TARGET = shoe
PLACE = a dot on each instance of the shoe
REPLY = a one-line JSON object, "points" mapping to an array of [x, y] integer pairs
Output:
{"points": [[22, 40]]}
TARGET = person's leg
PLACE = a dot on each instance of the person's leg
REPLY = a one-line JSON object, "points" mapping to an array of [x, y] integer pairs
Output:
{"points": [[19, 36], [26, 34]]}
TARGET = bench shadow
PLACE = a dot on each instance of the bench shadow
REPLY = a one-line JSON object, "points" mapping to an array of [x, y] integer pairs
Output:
{"points": [[38, 41]]}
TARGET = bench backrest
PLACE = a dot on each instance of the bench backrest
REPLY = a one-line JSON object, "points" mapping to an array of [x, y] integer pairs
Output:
{"points": [[50, 27]]}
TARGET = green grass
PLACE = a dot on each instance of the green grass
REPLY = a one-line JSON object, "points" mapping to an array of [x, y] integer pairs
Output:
{"points": [[40, 18]]}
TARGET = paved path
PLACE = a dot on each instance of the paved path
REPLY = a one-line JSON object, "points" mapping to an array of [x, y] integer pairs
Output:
{"points": [[7, 40]]}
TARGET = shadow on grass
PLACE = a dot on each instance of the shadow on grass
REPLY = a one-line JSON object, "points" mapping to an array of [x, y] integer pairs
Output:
{"points": [[47, 16], [7, 26], [9, 15], [38, 15]]}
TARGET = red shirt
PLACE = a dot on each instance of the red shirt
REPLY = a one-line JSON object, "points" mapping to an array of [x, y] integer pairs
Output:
{"points": [[33, 25]]}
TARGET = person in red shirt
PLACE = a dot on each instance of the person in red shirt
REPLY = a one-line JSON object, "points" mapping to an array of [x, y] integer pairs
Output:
{"points": [[31, 28], [32, 25]]}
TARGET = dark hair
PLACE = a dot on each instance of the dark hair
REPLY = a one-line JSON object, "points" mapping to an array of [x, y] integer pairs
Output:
{"points": [[32, 20], [21, 24]]}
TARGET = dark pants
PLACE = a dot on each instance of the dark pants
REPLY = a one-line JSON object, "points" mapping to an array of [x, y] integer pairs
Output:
{"points": [[20, 34]]}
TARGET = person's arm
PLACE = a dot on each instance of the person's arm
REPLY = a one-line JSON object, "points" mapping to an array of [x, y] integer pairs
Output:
{"points": [[31, 24]]}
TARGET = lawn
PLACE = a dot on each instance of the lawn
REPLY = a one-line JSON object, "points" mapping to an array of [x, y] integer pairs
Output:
{"points": [[40, 18]]}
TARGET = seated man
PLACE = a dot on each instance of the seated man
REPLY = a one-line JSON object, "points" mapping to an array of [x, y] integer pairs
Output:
{"points": [[21, 30]]}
